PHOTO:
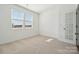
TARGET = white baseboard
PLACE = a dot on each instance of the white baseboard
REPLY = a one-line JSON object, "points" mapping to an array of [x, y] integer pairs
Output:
{"points": [[63, 40], [68, 41], [6, 42]]}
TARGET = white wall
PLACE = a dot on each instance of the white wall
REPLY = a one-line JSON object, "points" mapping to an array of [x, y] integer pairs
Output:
{"points": [[52, 21], [7, 34], [49, 22]]}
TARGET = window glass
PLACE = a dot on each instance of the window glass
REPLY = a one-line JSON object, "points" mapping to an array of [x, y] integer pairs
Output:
{"points": [[21, 19], [28, 20], [17, 18]]}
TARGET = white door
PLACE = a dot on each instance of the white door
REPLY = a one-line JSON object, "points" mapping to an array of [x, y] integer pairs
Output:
{"points": [[69, 35]]}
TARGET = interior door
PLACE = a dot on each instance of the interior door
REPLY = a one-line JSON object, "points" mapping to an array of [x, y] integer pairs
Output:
{"points": [[69, 26], [77, 26]]}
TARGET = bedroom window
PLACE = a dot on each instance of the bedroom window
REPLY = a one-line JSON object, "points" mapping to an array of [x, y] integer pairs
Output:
{"points": [[28, 20], [20, 19], [17, 18]]}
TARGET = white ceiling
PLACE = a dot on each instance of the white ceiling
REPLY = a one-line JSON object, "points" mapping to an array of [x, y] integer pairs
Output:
{"points": [[42, 7], [38, 7]]}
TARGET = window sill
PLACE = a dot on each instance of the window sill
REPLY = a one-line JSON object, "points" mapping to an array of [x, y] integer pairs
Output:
{"points": [[22, 28]]}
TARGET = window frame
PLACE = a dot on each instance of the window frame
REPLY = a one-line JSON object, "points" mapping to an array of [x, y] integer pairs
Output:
{"points": [[31, 24], [23, 25]]}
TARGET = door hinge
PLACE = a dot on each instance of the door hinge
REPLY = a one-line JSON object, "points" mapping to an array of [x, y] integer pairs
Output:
{"points": [[76, 26], [76, 13]]}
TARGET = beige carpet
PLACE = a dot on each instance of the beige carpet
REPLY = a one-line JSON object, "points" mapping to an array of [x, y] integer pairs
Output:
{"points": [[38, 45]]}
